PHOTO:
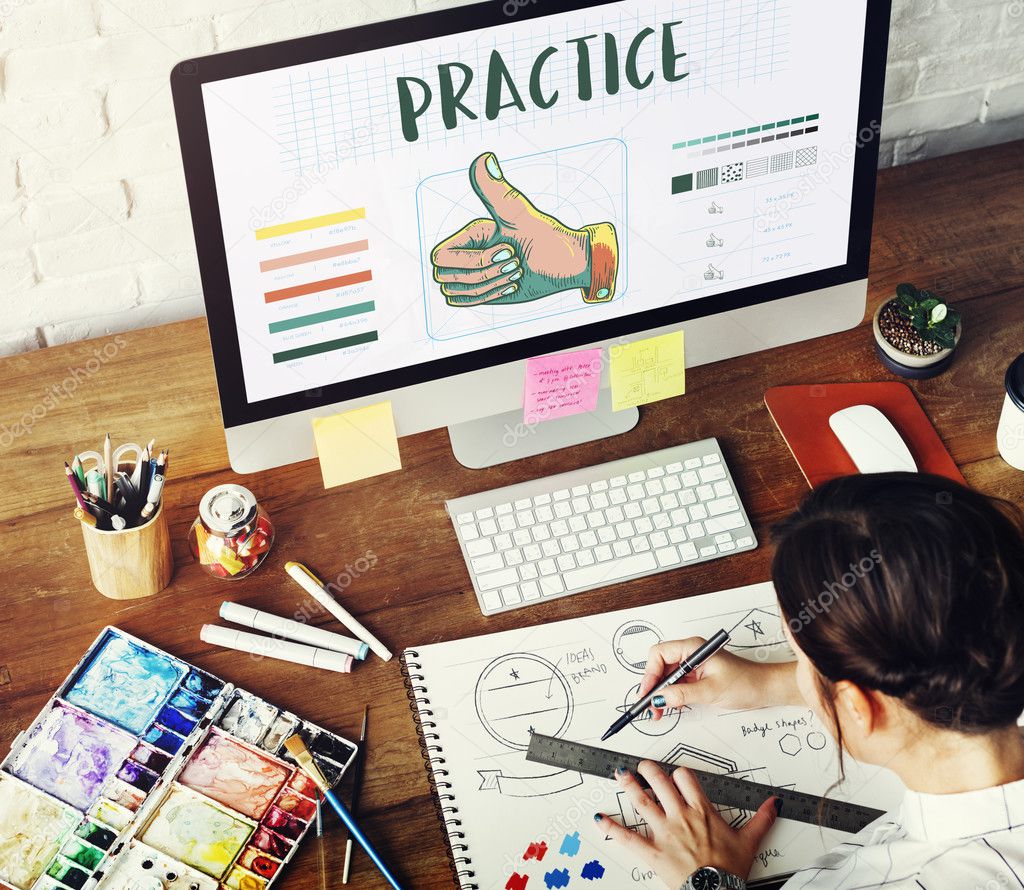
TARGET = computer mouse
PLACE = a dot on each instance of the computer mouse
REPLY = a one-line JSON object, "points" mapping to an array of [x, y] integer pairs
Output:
{"points": [[871, 440]]}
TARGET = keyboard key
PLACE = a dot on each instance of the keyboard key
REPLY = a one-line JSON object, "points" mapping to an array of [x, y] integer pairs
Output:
{"points": [[706, 492], [540, 533], [569, 543], [513, 557], [694, 530], [502, 509], [712, 473], [532, 552], [503, 542], [551, 585], [745, 541], [674, 467], [488, 528], [544, 514], [712, 459], [668, 501], [661, 521], [562, 509], [494, 580], [595, 519], [625, 530], [547, 567], [542, 499], [635, 492], [561, 495], [488, 563], [676, 535], [606, 534], [602, 552], [667, 556], [579, 490], [650, 506], [640, 545], [659, 539], [507, 523], [632, 510], [692, 463], [566, 561], [726, 546], [480, 546], [621, 548], [723, 488], [617, 481], [521, 536], [600, 485], [559, 528], [580, 505], [585, 558], [698, 511], [679, 517], [528, 571], [469, 532], [530, 590], [643, 526], [655, 472], [464, 518], [654, 487], [609, 572], [688, 551], [522, 504], [722, 505], [491, 600], [722, 537], [510, 595], [618, 496], [614, 514], [577, 523], [525, 518], [725, 523], [588, 539], [550, 548], [638, 476], [673, 483], [599, 501], [687, 497], [690, 479], [709, 550]]}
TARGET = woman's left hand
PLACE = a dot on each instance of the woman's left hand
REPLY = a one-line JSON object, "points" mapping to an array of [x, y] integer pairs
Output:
{"points": [[684, 828]]}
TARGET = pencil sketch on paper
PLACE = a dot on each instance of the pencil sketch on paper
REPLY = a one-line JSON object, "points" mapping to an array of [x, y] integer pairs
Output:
{"points": [[644, 723], [632, 642], [758, 629]]}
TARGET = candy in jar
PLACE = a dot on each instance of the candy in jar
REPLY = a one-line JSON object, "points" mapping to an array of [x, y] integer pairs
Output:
{"points": [[232, 534]]}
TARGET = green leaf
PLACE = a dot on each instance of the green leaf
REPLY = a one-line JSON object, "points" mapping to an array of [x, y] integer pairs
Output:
{"points": [[919, 318], [939, 312], [952, 317], [907, 295], [945, 339], [929, 304]]}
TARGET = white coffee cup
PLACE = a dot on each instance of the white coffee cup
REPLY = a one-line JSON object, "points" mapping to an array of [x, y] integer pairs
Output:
{"points": [[1010, 436]]}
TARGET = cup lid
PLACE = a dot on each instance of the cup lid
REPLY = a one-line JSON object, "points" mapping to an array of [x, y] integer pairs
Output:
{"points": [[1015, 381], [227, 509]]}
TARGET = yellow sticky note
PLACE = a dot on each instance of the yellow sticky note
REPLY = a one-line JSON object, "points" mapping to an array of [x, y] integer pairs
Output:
{"points": [[648, 370], [357, 444]]}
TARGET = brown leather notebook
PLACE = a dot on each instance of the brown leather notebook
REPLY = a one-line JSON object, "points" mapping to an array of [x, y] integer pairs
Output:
{"points": [[801, 413]]}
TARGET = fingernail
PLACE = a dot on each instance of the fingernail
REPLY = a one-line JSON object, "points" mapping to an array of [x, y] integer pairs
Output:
{"points": [[501, 256], [508, 267], [620, 771], [516, 277], [598, 817], [509, 290], [602, 293], [492, 167], [778, 806], [658, 701]]}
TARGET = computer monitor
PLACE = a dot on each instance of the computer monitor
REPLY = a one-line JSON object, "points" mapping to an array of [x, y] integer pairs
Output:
{"points": [[410, 210]]}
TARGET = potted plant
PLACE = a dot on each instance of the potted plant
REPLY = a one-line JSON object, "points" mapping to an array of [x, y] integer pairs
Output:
{"points": [[916, 333]]}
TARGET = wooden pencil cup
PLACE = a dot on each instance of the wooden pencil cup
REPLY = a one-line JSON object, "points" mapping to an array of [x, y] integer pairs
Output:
{"points": [[131, 563]]}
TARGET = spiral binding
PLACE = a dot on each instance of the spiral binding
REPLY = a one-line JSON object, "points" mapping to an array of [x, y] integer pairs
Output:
{"points": [[434, 762]]}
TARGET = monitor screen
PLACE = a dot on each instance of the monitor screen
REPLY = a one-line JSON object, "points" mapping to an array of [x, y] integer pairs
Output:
{"points": [[555, 171]]}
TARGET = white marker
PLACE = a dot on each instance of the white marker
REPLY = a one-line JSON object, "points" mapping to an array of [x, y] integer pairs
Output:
{"points": [[313, 586], [268, 647], [293, 630]]}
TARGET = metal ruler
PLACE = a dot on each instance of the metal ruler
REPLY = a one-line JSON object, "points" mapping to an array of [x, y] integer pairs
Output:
{"points": [[723, 790]]}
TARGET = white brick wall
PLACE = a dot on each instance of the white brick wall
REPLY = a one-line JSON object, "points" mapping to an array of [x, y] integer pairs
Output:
{"points": [[94, 230]]}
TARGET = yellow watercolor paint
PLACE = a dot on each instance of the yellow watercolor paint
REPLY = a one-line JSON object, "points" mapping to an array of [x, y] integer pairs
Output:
{"points": [[32, 829]]}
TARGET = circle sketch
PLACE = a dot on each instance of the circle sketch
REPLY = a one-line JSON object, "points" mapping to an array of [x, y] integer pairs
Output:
{"points": [[632, 642], [645, 723], [520, 694]]}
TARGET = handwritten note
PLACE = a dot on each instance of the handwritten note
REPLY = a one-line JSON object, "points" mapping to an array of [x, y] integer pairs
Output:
{"points": [[357, 444], [560, 385], [648, 370]]}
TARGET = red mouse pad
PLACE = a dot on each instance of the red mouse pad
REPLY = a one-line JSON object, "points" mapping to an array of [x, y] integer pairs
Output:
{"points": [[801, 413]]}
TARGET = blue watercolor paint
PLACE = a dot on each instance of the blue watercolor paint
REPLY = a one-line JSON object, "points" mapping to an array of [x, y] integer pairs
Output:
{"points": [[203, 685], [570, 844], [137, 776], [125, 684], [592, 871], [557, 878], [187, 703], [175, 721], [163, 739]]}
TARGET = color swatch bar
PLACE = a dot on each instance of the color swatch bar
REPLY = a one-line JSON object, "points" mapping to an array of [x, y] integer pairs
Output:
{"points": [[330, 346], [312, 287], [304, 321], [732, 134], [314, 222], [311, 256]]}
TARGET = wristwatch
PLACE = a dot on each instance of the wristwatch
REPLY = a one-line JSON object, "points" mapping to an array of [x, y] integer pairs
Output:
{"points": [[711, 878]]}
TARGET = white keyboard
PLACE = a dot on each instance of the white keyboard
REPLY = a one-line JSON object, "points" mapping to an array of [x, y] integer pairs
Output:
{"points": [[600, 525]]}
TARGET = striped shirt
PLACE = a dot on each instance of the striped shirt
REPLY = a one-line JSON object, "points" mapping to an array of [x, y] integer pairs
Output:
{"points": [[968, 841]]}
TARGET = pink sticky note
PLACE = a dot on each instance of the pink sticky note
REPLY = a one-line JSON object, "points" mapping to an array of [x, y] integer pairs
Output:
{"points": [[560, 385]]}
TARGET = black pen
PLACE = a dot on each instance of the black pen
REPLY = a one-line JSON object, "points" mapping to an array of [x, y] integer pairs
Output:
{"points": [[687, 666]]}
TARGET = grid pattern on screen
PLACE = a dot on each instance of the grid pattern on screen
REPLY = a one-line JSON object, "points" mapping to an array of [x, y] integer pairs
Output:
{"points": [[344, 110]]}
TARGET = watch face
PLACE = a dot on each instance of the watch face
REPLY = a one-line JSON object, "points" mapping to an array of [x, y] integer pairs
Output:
{"points": [[706, 879]]}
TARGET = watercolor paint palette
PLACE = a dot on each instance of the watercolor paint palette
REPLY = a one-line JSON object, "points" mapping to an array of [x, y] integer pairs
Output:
{"points": [[145, 773]]}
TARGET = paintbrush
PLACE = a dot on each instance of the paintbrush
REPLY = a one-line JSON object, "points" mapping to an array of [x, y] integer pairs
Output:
{"points": [[321, 844], [357, 787], [297, 748]]}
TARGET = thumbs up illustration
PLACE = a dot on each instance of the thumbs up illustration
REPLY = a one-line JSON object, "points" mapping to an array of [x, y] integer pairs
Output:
{"points": [[518, 253]]}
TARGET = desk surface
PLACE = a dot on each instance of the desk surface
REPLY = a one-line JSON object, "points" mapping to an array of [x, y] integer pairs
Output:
{"points": [[952, 224]]}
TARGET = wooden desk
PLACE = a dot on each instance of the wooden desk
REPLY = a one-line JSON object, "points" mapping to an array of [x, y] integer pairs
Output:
{"points": [[953, 224]]}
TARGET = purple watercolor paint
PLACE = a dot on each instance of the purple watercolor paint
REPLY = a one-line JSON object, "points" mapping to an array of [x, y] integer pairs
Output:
{"points": [[72, 755]]}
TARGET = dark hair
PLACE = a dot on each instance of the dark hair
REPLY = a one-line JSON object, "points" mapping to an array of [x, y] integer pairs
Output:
{"points": [[911, 585]]}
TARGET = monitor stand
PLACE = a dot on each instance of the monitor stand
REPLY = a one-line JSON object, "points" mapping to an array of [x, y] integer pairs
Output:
{"points": [[501, 438]]}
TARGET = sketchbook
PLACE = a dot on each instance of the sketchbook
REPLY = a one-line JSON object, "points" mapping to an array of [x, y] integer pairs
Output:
{"points": [[515, 825]]}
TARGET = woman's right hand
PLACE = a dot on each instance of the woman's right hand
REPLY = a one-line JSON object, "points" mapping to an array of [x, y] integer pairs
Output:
{"points": [[725, 680]]}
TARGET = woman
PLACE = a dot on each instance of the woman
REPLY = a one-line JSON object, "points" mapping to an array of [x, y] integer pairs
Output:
{"points": [[917, 666]]}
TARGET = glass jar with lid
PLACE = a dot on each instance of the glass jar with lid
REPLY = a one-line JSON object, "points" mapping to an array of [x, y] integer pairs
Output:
{"points": [[232, 534]]}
